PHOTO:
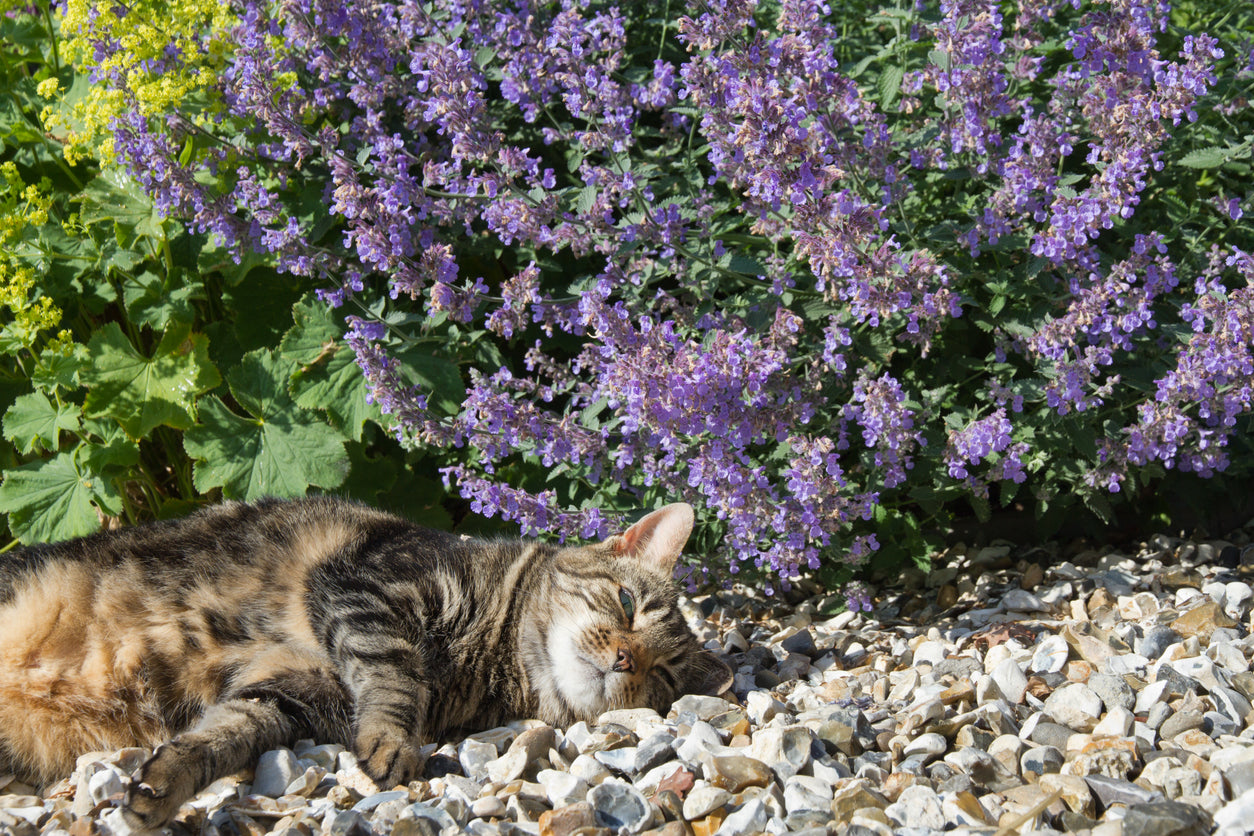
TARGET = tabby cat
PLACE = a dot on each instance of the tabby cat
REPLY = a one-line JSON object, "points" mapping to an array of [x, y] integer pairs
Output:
{"points": [[249, 626]]}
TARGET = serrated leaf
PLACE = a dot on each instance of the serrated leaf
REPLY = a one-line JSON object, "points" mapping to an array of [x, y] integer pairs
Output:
{"points": [[276, 450], [50, 500], [337, 386], [890, 84], [141, 392], [34, 422], [157, 301], [314, 329], [1212, 157], [113, 195]]}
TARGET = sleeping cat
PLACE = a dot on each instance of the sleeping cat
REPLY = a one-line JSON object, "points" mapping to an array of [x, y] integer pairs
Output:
{"points": [[245, 627]]}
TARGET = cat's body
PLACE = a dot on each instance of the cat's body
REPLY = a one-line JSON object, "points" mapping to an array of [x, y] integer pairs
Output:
{"points": [[246, 627]]}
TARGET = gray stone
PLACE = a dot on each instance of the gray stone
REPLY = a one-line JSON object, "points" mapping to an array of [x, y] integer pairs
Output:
{"points": [[1113, 691], [1180, 722], [1156, 641], [349, 823], [802, 642], [1166, 818], [622, 761], [1051, 734], [1177, 683], [275, 770], [1050, 654], [474, 756], [1110, 791], [1158, 714], [620, 807], [655, 751]]}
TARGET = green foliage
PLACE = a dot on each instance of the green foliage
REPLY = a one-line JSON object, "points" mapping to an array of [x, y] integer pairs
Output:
{"points": [[144, 371]]}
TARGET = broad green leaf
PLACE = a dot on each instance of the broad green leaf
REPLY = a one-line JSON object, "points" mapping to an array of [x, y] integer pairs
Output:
{"points": [[156, 301], [51, 499], [34, 422], [277, 449], [434, 375], [115, 196], [314, 332], [142, 392], [337, 385], [60, 369], [112, 448]]}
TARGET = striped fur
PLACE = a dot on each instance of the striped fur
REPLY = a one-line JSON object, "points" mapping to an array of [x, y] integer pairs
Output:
{"points": [[245, 627]]}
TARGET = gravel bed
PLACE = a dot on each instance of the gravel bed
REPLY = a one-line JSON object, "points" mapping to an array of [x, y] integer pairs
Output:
{"points": [[1022, 690]]}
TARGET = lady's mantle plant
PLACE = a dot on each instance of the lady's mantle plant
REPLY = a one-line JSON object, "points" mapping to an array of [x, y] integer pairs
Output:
{"points": [[823, 271]]}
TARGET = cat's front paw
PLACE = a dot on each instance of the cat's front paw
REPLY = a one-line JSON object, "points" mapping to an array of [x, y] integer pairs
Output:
{"points": [[387, 754], [158, 789]]}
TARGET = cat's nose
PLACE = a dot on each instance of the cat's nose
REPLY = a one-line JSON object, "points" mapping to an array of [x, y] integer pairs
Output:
{"points": [[626, 663]]}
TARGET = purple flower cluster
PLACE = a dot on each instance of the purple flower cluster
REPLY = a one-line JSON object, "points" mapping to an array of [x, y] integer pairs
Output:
{"points": [[718, 267]]}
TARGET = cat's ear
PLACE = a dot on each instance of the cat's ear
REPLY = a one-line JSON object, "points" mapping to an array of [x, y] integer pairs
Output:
{"points": [[708, 674], [658, 539]]}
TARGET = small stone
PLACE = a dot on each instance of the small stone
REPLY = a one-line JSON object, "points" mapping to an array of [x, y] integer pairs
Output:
{"points": [[1113, 691], [1075, 706], [567, 819], [370, 802], [1010, 681], [441, 819], [762, 707], [562, 788], [750, 818], [1110, 791], [702, 706], [803, 793], [1157, 640], [1075, 792], [349, 823], [735, 772], [474, 756], [801, 641], [703, 800], [654, 752], [534, 742], [928, 745], [1020, 600], [787, 750], [1202, 620], [1180, 722], [508, 767], [1042, 760], [275, 770], [1117, 723], [1051, 734], [1166, 818], [620, 807], [1050, 654], [488, 807], [917, 807]]}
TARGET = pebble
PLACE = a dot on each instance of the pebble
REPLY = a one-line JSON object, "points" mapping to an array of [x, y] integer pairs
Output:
{"points": [[1118, 678]]}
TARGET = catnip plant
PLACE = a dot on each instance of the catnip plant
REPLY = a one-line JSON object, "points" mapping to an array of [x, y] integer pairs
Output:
{"points": [[830, 273]]}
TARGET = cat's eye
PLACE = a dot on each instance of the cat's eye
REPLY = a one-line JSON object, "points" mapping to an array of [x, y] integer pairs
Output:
{"points": [[629, 603]]}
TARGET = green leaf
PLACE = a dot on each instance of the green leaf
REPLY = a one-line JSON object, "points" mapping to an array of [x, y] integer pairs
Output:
{"points": [[1212, 157], [890, 84], [142, 392], [115, 196], [276, 450], [56, 369], [435, 375], [50, 500], [34, 422], [156, 301]]}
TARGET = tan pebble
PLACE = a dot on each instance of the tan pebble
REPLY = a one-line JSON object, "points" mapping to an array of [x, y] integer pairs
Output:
{"points": [[872, 814], [963, 691], [853, 797], [1032, 577], [566, 820], [1075, 792], [946, 596], [708, 825], [740, 741], [1202, 620], [897, 783]]}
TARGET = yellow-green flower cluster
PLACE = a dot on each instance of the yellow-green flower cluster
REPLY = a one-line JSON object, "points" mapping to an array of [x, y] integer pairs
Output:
{"points": [[188, 40], [22, 206]]}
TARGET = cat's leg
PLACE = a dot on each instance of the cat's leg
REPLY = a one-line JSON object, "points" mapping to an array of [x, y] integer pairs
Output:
{"points": [[231, 735]]}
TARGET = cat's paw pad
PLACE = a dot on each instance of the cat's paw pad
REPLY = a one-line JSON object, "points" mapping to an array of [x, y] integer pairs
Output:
{"points": [[388, 755], [157, 790]]}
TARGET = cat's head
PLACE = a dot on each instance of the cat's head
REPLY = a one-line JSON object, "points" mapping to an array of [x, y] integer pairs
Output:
{"points": [[613, 635]]}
